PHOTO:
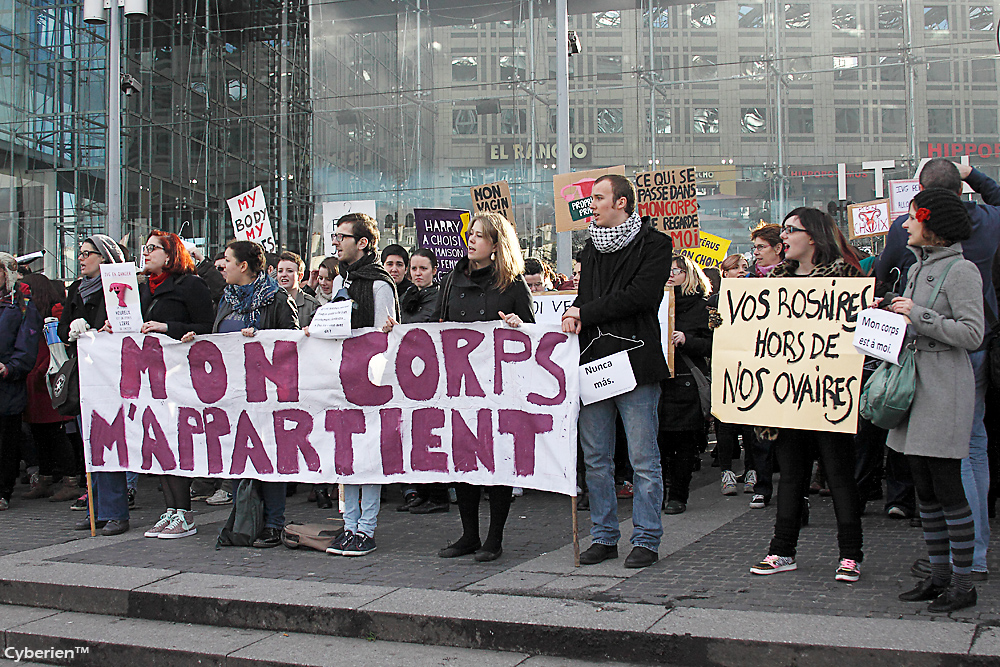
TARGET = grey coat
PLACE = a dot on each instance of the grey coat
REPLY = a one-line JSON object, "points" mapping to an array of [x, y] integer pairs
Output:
{"points": [[940, 420]]}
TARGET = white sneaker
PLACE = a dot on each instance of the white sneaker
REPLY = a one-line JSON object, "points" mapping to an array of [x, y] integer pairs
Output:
{"points": [[179, 526], [773, 564], [220, 497], [758, 502], [728, 483], [164, 521], [749, 479]]}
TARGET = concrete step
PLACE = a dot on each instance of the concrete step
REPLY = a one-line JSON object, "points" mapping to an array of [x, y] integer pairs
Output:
{"points": [[72, 638]]}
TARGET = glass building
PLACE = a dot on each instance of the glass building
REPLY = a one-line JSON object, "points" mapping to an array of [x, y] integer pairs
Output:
{"points": [[412, 102]]}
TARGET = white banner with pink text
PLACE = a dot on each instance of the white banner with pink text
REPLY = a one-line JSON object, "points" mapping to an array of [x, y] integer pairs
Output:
{"points": [[480, 403]]}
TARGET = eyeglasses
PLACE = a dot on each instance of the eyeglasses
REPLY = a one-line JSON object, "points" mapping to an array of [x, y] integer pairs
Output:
{"points": [[338, 237], [677, 272], [149, 249], [84, 254], [761, 247], [789, 229]]}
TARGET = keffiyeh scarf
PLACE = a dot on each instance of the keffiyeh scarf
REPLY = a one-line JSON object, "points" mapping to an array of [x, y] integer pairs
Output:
{"points": [[612, 239], [247, 300]]}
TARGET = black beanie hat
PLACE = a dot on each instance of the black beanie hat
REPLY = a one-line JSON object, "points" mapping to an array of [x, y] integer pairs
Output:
{"points": [[948, 217]]}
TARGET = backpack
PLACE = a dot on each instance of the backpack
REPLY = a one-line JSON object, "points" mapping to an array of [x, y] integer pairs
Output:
{"points": [[246, 521], [318, 536]]}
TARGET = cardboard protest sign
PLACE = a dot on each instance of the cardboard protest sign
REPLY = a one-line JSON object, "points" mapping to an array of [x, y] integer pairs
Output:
{"points": [[480, 403], [869, 219], [446, 232], [334, 211], [493, 198], [572, 196], [670, 198], [250, 219], [711, 250], [880, 334], [783, 355], [121, 297], [901, 193]]}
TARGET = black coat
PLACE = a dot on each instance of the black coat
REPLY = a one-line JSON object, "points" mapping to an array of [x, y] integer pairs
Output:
{"points": [[680, 404], [182, 302], [418, 305], [620, 294], [474, 298], [19, 333], [213, 278], [278, 313], [93, 312]]}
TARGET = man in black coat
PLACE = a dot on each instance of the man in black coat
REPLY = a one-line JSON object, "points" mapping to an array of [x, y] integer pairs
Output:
{"points": [[624, 267]]}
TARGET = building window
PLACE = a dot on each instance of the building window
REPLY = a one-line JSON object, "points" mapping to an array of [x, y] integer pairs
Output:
{"points": [[512, 68], [845, 17], [609, 68], [800, 120], [751, 16], [891, 69], [752, 66], [662, 121], [890, 17], [939, 71], [513, 121], [661, 17], [797, 15], [464, 121], [893, 121], [984, 122], [983, 71], [936, 17], [607, 19], [981, 18], [752, 121], [464, 69], [941, 121], [703, 67], [610, 121], [703, 15], [705, 121], [845, 68], [848, 121], [572, 121]]}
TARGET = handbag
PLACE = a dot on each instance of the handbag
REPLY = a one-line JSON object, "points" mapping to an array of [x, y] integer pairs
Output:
{"points": [[65, 384], [318, 536], [704, 386], [888, 394]]}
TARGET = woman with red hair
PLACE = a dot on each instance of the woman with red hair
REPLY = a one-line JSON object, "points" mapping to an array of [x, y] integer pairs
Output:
{"points": [[175, 300]]}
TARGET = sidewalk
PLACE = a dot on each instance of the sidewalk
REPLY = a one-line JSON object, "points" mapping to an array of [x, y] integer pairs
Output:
{"points": [[700, 594]]}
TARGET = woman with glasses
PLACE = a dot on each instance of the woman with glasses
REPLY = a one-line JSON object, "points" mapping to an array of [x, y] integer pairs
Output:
{"points": [[768, 250], [174, 301], [816, 248], [682, 425], [85, 311]]}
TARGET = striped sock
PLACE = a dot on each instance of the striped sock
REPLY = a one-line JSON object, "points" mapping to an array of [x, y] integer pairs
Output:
{"points": [[936, 537], [962, 537]]}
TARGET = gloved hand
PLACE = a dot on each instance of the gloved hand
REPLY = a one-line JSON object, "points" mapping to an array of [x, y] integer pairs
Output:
{"points": [[77, 328]]}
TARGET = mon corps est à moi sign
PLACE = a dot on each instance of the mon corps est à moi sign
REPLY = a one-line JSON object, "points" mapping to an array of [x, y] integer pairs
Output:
{"points": [[480, 403]]}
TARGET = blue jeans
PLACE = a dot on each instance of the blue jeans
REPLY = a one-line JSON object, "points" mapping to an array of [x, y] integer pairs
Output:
{"points": [[638, 409], [110, 495], [132, 479], [976, 468], [361, 505], [273, 495]]}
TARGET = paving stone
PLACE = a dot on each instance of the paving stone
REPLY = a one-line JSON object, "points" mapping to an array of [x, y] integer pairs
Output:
{"points": [[12, 616]]}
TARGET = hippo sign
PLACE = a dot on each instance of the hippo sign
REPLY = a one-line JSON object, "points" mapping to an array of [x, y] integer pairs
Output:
{"points": [[121, 297]]}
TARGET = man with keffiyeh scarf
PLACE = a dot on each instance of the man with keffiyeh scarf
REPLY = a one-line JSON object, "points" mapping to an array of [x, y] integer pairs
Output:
{"points": [[624, 268]]}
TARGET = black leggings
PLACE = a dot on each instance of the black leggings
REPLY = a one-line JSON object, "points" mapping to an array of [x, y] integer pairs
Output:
{"points": [[938, 481], [55, 454], [176, 491], [678, 450], [468, 508], [795, 451]]}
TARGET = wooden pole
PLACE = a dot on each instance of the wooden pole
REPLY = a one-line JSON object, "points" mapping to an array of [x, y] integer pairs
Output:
{"points": [[576, 535], [90, 505]]}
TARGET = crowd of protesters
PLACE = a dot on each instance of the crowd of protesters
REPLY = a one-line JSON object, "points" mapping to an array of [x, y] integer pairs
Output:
{"points": [[643, 444]]}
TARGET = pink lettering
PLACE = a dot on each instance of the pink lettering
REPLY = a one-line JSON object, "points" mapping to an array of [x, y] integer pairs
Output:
{"points": [[543, 355], [344, 424], [208, 371], [355, 357], [502, 356], [524, 426], [154, 443], [216, 426], [283, 371], [417, 344], [147, 359], [425, 421], [105, 436], [294, 440], [458, 344], [189, 422], [468, 448], [392, 441], [248, 445]]}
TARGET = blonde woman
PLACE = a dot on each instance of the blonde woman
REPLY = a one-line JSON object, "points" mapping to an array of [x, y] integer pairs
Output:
{"points": [[486, 285], [682, 426]]}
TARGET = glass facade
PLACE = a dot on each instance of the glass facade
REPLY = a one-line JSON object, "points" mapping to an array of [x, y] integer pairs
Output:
{"points": [[410, 105]]}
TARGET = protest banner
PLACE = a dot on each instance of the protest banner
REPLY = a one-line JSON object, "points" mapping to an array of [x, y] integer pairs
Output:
{"points": [[901, 193], [334, 211], [493, 198], [250, 219], [481, 403], [446, 232], [670, 198], [880, 334], [869, 219], [782, 356], [121, 296], [572, 196], [711, 251]]}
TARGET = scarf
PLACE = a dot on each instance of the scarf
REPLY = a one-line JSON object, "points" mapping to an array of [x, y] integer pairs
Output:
{"points": [[322, 297], [247, 300], [89, 286], [156, 281], [612, 239], [360, 278]]}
